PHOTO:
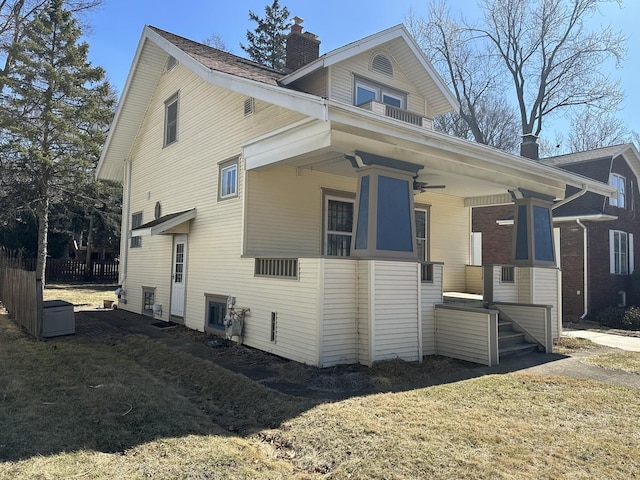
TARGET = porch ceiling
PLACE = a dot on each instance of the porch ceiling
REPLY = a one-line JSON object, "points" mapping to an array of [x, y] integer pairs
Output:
{"points": [[467, 169]]}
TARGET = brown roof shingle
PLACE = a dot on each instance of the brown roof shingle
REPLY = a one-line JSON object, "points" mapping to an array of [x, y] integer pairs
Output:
{"points": [[222, 61]]}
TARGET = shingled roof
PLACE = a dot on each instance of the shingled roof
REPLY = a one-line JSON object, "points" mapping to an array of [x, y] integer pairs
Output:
{"points": [[595, 154], [222, 61]]}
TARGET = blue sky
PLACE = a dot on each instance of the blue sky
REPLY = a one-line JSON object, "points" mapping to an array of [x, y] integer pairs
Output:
{"points": [[117, 25]]}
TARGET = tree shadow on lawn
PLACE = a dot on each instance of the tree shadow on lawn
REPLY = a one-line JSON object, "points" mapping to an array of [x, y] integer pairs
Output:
{"points": [[109, 392], [112, 394]]}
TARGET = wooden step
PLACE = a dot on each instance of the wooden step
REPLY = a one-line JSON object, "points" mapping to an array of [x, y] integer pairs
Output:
{"points": [[518, 349]]}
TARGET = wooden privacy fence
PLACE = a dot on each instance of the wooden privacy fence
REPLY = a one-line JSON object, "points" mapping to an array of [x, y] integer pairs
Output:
{"points": [[62, 270], [21, 295]]}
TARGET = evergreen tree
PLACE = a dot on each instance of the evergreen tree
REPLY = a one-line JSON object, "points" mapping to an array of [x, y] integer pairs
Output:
{"points": [[56, 109], [267, 43]]}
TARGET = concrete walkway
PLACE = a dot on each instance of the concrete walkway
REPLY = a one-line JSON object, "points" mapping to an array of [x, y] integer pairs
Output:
{"points": [[631, 344]]}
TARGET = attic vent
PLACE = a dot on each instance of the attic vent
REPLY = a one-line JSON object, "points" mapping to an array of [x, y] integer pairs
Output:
{"points": [[249, 106], [171, 62], [381, 64]]}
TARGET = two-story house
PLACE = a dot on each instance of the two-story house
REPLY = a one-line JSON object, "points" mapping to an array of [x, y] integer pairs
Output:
{"points": [[595, 233], [307, 197]]}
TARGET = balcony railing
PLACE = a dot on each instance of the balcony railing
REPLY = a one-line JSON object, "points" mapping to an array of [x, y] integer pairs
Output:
{"points": [[398, 114]]}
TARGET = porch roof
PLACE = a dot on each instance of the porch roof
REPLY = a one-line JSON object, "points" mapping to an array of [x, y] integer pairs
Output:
{"points": [[171, 223], [468, 169]]}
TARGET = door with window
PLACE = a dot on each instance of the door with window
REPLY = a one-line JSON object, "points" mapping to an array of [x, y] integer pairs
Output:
{"points": [[178, 275]]}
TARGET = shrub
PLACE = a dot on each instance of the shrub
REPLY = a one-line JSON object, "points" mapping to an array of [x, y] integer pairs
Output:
{"points": [[616, 317]]}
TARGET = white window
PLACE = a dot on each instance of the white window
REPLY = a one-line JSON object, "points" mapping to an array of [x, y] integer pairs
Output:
{"points": [[618, 199], [228, 179], [366, 91], [621, 252], [338, 226], [136, 221], [171, 120]]}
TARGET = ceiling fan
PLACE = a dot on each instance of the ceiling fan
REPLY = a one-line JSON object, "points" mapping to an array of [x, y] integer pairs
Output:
{"points": [[419, 187]]}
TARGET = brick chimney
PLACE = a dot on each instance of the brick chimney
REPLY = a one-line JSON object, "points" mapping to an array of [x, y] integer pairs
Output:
{"points": [[529, 147], [302, 48]]}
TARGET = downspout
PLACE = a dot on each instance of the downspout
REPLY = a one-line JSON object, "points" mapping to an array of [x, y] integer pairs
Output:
{"points": [[585, 266], [564, 201], [124, 233], [582, 191]]}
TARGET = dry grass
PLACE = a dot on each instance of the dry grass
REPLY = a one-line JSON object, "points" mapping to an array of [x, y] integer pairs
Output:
{"points": [[568, 345], [624, 361], [134, 408], [81, 295]]}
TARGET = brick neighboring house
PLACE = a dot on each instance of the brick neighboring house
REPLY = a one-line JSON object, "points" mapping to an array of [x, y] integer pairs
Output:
{"points": [[608, 225]]}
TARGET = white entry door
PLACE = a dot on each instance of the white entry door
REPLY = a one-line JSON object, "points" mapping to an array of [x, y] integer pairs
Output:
{"points": [[178, 275]]}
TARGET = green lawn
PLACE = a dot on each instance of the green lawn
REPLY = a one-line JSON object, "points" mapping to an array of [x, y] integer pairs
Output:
{"points": [[133, 408]]}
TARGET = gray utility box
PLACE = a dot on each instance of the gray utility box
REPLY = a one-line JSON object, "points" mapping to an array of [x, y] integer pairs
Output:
{"points": [[58, 318]]}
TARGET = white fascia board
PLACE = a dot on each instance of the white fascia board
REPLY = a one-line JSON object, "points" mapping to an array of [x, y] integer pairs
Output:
{"points": [[297, 139], [116, 117], [497, 160], [305, 103], [631, 155]]}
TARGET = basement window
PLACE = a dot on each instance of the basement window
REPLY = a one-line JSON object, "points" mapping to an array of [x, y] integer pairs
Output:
{"points": [[148, 299], [215, 310]]}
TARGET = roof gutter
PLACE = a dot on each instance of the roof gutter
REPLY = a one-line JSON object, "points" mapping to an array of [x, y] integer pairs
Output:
{"points": [[585, 189]]}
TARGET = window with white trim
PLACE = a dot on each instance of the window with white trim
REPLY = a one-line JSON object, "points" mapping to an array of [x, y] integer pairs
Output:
{"points": [[136, 221], [171, 120], [621, 252], [618, 199], [421, 234], [228, 179], [366, 91], [338, 226]]}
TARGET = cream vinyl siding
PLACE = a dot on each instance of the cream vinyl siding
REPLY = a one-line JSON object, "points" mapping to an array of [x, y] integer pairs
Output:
{"points": [[466, 334], [532, 318], [548, 291], [343, 75], [430, 295], [285, 211], [184, 175], [450, 238], [149, 265], [364, 314], [316, 83], [396, 310], [339, 320]]}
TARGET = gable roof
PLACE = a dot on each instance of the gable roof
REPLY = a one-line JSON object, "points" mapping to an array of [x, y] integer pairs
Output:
{"points": [[594, 164], [213, 66], [628, 150], [401, 45]]}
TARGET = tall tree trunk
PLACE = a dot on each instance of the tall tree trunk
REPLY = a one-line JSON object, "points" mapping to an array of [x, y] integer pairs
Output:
{"points": [[42, 214], [88, 264]]}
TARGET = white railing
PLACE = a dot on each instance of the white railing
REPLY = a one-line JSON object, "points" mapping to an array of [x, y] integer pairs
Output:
{"points": [[398, 114]]}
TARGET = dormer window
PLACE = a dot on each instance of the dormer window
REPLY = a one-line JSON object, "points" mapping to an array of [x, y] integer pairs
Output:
{"points": [[368, 91], [381, 64]]}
